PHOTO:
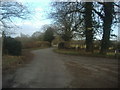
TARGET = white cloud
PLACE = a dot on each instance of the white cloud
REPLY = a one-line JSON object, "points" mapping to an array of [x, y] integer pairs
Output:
{"points": [[37, 17], [23, 1], [38, 9], [29, 27]]}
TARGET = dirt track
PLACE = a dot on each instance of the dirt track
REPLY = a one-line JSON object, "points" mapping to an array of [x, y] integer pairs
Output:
{"points": [[52, 70]]}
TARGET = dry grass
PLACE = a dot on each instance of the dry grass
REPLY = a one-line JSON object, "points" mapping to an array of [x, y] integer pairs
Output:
{"points": [[11, 63], [83, 53]]}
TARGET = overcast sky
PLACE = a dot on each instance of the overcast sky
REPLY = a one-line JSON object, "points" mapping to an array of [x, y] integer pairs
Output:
{"points": [[38, 17]]}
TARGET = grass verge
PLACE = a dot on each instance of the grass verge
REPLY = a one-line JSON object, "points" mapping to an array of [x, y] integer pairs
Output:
{"points": [[83, 53], [11, 63], [36, 48]]}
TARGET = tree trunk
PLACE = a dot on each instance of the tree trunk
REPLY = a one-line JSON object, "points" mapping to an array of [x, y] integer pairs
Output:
{"points": [[107, 23], [88, 26]]}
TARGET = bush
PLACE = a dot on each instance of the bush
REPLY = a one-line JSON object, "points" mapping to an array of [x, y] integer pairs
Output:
{"points": [[11, 46], [42, 44], [61, 45], [36, 44]]}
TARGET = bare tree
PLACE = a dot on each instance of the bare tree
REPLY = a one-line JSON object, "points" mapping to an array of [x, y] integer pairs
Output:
{"points": [[10, 10], [108, 17], [91, 17], [67, 18], [89, 26], [76, 17]]}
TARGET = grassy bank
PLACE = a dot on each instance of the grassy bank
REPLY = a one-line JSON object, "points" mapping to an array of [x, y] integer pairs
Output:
{"points": [[11, 63], [83, 53]]}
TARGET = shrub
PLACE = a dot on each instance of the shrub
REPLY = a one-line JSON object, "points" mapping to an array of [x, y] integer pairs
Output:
{"points": [[36, 44], [11, 46], [64, 45], [61, 45]]}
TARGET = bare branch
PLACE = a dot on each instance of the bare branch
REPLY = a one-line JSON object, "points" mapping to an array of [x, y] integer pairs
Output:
{"points": [[98, 13], [12, 9], [116, 5], [102, 3]]}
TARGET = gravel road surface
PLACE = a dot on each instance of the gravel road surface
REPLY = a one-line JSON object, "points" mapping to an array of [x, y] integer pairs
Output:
{"points": [[45, 71], [52, 70]]}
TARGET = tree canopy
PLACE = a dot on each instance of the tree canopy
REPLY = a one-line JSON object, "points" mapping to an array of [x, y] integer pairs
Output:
{"points": [[49, 35], [88, 19]]}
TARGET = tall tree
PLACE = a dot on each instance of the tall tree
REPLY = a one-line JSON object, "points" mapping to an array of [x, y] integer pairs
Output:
{"points": [[89, 26], [79, 13], [87, 12], [107, 23], [108, 15], [49, 35], [67, 18]]}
